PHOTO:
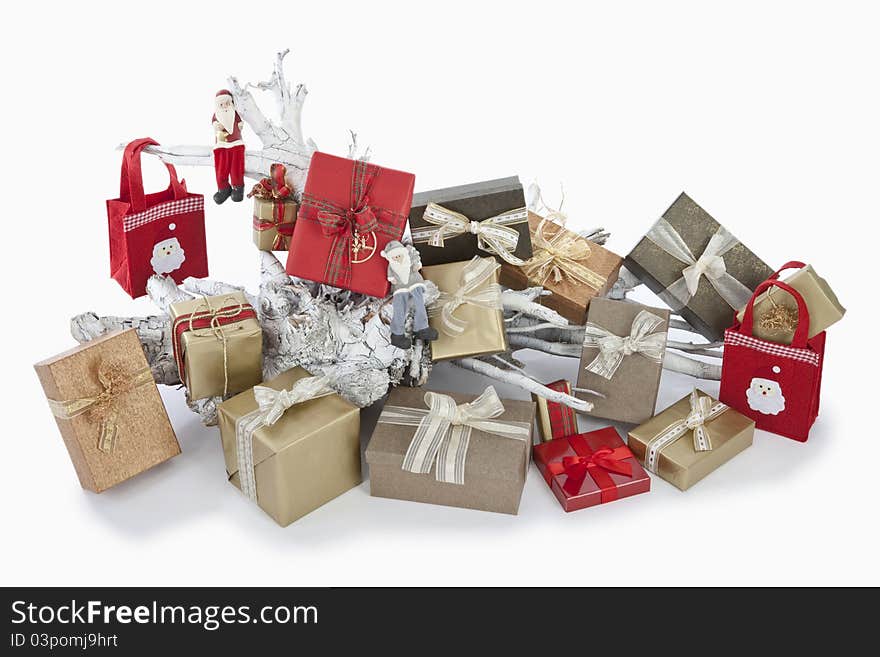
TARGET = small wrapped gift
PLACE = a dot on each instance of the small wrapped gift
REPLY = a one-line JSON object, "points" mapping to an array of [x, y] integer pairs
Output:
{"points": [[274, 211], [350, 210], [218, 345], [697, 267], [457, 223], [467, 315], [555, 420], [574, 269], [690, 439], [776, 315], [592, 468], [478, 449], [622, 359], [291, 444], [108, 409]]}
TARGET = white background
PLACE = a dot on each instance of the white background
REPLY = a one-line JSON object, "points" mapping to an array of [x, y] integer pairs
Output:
{"points": [[765, 113]]}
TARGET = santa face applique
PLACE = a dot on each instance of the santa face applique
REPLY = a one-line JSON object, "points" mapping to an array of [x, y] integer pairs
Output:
{"points": [[764, 393], [168, 256]]}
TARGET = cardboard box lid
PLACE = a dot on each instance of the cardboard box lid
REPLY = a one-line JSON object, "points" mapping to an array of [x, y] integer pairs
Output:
{"points": [[469, 190]]}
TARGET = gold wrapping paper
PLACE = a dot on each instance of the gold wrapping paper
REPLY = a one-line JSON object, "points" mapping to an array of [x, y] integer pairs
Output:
{"points": [[485, 326], [679, 463], [570, 298], [821, 301], [264, 212], [308, 457], [144, 436], [203, 351]]}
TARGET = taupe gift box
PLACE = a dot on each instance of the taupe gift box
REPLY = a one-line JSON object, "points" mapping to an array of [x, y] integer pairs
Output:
{"points": [[266, 223], [706, 311], [108, 409], [221, 352], [308, 457], [631, 392], [494, 471]]}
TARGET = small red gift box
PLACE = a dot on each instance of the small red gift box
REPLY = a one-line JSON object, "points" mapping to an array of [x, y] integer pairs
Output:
{"points": [[350, 210], [590, 468]]}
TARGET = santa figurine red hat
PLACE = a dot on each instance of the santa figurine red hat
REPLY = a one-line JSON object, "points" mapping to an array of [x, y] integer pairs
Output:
{"points": [[228, 148]]}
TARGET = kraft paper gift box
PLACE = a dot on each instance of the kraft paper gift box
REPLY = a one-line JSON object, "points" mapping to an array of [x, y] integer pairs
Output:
{"points": [[622, 359], [697, 267], [416, 454], [108, 409], [458, 223], [307, 457], [555, 420], [218, 345], [591, 468], [273, 223], [667, 447], [474, 326], [574, 269], [776, 312]]}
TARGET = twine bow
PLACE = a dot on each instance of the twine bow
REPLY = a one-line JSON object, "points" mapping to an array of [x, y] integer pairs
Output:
{"points": [[474, 276], [560, 255], [643, 339], [597, 463], [494, 235], [104, 407], [276, 190], [444, 428]]}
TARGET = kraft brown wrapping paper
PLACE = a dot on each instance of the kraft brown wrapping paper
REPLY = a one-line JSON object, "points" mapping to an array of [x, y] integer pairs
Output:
{"points": [[679, 463], [307, 458], [495, 470], [264, 211], [145, 437]]}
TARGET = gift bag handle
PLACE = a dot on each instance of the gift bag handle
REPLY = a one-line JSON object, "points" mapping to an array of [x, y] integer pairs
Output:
{"points": [[800, 334], [131, 182], [791, 264]]}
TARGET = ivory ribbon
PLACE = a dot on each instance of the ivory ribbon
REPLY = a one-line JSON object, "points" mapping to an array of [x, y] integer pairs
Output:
{"points": [[703, 410], [104, 407], [443, 431], [271, 405], [642, 340], [560, 255], [494, 235], [475, 273], [710, 264]]}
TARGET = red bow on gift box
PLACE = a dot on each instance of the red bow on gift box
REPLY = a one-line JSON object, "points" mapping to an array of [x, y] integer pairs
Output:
{"points": [[274, 189], [597, 463]]}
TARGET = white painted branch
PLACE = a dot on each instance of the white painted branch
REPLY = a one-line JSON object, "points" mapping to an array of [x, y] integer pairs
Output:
{"points": [[517, 302], [699, 369], [520, 341]]}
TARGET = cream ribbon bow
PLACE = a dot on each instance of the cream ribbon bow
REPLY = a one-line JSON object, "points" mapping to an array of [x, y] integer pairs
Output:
{"points": [[494, 234], [642, 340], [443, 431], [703, 410], [710, 264], [560, 255], [474, 275]]}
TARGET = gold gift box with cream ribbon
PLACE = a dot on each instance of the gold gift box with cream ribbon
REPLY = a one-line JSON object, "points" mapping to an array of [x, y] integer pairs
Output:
{"points": [[264, 214]]}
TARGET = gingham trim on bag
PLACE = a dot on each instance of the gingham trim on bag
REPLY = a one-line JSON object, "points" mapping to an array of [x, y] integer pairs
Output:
{"points": [[804, 355], [167, 209]]}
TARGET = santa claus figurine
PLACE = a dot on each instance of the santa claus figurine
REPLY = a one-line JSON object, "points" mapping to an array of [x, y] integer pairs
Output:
{"points": [[228, 149], [407, 289]]}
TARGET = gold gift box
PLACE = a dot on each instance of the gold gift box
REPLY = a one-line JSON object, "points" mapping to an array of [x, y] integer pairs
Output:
{"points": [[308, 457], [202, 350], [264, 213], [679, 463]]}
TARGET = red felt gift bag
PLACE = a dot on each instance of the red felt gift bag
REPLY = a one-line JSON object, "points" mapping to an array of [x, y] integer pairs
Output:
{"points": [[774, 384], [160, 233]]}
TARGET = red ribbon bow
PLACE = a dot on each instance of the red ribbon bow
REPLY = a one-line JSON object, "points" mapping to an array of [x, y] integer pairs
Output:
{"points": [[275, 189], [597, 463]]}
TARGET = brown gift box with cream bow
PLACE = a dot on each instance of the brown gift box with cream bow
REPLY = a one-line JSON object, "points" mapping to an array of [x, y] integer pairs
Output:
{"points": [[108, 409]]}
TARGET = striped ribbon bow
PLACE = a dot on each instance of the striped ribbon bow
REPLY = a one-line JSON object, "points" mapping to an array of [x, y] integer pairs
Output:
{"points": [[494, 235], [474, 275], [443, 431], [561, 255], [642, 340]]}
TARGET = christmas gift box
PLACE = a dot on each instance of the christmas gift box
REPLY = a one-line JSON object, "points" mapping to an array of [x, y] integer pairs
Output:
{"points": [[592, 468], [697, 267], [555, 420], [274, 211], [574, 269], [622, 359], [350, 210], [478, 449], [457, 223], [467, 314], [218, 345], [690, 439], [291, 444], [776, 313], [108, 409]]}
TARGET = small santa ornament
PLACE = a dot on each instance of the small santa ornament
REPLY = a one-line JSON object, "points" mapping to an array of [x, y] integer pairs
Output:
{"points": [[228, 148], [764, 394], [407, 290]]}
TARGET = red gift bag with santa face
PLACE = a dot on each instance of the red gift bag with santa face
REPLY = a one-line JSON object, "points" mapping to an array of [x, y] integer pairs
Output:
{"points": [[774, 384], [160, 233]]}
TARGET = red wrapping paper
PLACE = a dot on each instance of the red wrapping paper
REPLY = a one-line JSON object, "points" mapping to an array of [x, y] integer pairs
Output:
{"points": [[341, 195], [590, 468]]}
